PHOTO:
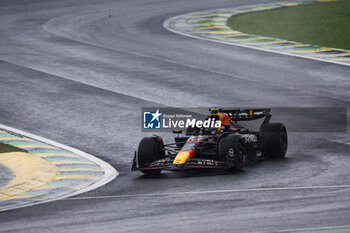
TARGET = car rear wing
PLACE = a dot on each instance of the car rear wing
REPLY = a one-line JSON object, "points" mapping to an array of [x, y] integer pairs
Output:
{"points": [[248, 114]]}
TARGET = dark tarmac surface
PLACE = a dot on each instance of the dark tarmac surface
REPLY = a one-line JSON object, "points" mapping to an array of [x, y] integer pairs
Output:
{"points": [[79, 72], [6, 175]]}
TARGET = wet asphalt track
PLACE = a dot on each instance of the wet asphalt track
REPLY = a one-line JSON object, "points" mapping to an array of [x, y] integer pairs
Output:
{"points": [[6, 175], [78, 72]]}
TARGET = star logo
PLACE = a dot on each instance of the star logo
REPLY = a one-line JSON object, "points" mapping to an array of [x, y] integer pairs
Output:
{"points": [[152, 120], [156, 115]]}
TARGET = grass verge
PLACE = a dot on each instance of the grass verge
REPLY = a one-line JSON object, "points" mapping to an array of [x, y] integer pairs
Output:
{"points": [[4, 148], [325, 24]]}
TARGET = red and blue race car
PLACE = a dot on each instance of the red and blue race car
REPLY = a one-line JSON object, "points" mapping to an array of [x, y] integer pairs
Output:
{"points": [[230, 146]]}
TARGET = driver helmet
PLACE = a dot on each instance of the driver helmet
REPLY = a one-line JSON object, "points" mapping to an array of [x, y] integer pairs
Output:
{"points": [[225, 120]]}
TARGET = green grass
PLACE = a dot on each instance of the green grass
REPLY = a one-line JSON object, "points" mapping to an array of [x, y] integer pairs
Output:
{"points": [[8, 148], [324, 24]]}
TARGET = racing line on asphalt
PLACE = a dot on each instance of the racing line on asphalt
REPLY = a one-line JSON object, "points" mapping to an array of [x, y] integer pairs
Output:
{"points": [[217, 191]]}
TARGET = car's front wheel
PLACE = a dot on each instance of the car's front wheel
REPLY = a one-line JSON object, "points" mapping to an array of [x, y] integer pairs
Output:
{"points": [[149, 150]]}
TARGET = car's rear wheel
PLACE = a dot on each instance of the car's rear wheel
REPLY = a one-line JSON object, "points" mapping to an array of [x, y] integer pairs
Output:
{"points": [[273, 140], [150, 149], [231, 149]]}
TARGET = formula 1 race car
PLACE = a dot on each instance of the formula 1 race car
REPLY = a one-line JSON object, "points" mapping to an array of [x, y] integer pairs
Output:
{"points": [[230, 146]]}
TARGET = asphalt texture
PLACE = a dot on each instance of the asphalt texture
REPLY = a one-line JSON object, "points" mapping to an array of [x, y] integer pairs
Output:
{"points": [[6, 175], [79, 72]]}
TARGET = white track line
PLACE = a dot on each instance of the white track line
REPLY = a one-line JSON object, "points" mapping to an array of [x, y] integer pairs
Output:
{"points": [[217, 191], [308, 229], [110, 172], [166, 25]]}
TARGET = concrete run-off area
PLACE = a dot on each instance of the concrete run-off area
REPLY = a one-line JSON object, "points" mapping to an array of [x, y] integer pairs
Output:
{"points": [[46, 171]]}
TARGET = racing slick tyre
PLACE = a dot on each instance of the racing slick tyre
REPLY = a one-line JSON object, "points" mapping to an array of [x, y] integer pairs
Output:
{"points": [[231, 149], [273, 140], [150, 149]]}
